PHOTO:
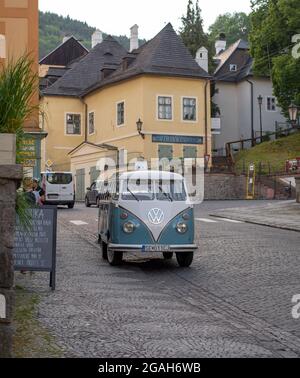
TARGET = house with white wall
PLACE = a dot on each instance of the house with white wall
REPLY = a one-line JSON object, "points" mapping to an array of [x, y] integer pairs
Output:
{"points": [[236, 94]]}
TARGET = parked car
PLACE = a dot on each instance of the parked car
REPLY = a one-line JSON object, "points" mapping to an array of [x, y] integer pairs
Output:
{"points": [[95, 193], [154, 215]]}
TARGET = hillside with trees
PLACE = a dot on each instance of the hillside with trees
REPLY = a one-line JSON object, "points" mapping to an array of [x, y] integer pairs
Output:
{"points": [[54, 27], [274, 37], [235, 26]]}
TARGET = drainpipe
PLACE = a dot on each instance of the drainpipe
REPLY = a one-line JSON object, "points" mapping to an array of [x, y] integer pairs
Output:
{"points": [[252, 112], [206, 118], [85, 119]]}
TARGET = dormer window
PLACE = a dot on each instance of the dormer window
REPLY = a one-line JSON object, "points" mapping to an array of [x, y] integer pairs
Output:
{"points": [[233, 67]]}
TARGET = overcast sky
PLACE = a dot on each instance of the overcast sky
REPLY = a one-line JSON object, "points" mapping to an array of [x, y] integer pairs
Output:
{"points": [[117, 16]]}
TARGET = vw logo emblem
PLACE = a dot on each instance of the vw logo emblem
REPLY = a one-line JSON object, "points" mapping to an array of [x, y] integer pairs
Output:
{"points": [[156, 216]]}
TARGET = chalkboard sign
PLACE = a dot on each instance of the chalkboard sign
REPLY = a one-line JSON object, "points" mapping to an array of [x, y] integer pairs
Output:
{"points": [[35, 247]]}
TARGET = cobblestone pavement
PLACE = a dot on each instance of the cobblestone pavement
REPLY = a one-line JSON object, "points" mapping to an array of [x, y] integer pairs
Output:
{"points": [[284, 215], [235, 301]]}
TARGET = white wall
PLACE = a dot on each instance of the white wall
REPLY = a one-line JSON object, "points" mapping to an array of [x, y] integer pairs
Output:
{"points": [[264, 87], [234, 101], [227, 100]]}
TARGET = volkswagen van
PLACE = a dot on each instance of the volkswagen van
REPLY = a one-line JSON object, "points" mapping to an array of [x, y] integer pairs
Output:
{"points": [[147, 212]]}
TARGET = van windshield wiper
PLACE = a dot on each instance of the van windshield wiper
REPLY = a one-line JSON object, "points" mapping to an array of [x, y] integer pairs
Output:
{"points": [[167, 195], [133, 195]]}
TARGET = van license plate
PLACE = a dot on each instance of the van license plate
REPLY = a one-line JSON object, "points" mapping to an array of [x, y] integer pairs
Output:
{"points": [[156, 248], [52, 196]]}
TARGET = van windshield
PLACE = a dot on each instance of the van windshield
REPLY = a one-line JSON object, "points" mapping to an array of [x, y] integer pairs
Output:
{"points": [[59, 178], [173, 190], [148, 190], [137, 190]]}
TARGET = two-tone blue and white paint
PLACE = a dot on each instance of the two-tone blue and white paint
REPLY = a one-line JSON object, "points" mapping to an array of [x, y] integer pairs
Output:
{"points": [[163, 224]]}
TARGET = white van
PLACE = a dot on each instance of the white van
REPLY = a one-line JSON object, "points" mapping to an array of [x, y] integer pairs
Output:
{"points": [[60, 188]]}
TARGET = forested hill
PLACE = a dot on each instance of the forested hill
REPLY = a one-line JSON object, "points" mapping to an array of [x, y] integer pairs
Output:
{"points": [[54, 27]]}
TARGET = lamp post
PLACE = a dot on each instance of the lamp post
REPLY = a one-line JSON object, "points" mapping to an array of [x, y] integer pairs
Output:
{"points": [[293, 112], [139, 126], [260, 102]]}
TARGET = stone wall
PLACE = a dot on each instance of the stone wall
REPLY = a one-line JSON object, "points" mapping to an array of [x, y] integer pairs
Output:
{"points": [[10, 176], [7, 149], [224, 187], [298, 189]]}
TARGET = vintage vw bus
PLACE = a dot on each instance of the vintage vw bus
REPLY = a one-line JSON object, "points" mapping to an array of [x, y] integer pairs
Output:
{"points": [[147, 212]]}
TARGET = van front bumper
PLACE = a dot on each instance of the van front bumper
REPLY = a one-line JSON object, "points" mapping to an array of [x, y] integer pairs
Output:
{"points": [[160, 249]]}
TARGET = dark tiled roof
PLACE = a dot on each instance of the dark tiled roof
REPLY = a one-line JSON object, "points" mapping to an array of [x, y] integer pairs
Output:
{"points": [[65, 53], [52, 76], [56, 72], [165, 55], [87, 70], [238, 54]]}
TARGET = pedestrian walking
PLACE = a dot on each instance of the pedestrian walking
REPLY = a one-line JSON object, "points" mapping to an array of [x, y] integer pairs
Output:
{"points": [[38, 192]]}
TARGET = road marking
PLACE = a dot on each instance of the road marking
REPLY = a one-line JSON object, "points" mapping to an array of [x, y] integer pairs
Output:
{"points": [[206, 220], [231, 221], [78, 223]]}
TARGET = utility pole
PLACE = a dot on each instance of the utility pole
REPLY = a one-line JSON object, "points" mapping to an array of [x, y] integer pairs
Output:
{"points": [[260, 102]]}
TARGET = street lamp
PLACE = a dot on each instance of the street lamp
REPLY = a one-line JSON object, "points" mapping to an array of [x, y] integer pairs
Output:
{"points": [[293, 112], [260, 102], [139, 126]]}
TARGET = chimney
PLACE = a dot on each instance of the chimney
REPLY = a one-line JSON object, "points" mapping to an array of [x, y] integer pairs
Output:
{"points": [[65, 38], [134, 38], [220, 44], [202, 58], [97, 38]]}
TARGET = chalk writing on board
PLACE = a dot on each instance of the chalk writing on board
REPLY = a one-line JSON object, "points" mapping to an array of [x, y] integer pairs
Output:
{"points": [[34, 247]]}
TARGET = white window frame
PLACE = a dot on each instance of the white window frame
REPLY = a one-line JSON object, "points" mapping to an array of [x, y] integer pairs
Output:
{"points": [[157, 108], [2, 46], [90, 134], [231, 66], [191, 98], [270, 110], [124, 123], [73, 135]]}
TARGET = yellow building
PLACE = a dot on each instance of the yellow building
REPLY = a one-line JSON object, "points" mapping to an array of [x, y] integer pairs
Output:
{"points": [[19, 35], [95, 108]]}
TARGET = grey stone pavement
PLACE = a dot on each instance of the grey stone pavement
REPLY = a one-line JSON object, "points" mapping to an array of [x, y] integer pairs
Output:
{"points": [[235, 300], [284, 215]]}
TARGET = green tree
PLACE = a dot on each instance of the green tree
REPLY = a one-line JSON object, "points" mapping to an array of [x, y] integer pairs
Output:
{"points": [[234, 25], [54, 27], [192, 32], [274, 23]]}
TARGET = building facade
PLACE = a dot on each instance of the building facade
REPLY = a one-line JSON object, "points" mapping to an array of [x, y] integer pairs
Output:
{"points": [[237, 91], [19, 35], [152, 102]]}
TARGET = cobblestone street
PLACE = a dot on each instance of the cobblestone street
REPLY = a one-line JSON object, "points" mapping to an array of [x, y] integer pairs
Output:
{"points": [[235, 300]]}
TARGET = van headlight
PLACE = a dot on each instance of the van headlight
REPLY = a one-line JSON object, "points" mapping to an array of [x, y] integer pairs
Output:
{"points": [[182, 228], [128, 227]]}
